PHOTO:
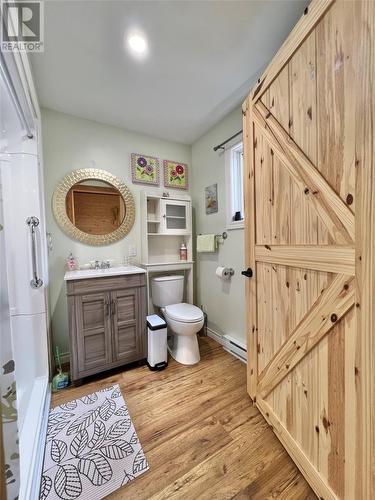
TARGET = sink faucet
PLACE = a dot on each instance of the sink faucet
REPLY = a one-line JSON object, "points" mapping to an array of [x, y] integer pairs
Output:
{"points": [[104, 264]]}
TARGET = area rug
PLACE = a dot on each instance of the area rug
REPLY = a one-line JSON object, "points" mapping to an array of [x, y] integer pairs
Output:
{"points": [[92, 448]]}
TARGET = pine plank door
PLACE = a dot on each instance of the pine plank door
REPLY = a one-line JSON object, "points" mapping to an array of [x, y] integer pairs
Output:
{"points": [[310, 241]]}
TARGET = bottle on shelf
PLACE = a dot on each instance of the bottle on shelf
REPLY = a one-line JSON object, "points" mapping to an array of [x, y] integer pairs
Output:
{"points": [[183, 251]]}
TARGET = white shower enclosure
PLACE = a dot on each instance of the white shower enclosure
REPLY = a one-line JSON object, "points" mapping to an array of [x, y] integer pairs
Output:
{"points": [[25, 261]]}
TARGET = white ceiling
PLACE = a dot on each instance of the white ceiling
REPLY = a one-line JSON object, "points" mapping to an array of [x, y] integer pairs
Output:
{"points": [[204, 57]]}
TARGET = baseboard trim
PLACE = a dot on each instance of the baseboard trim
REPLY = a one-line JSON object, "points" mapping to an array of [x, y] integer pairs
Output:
{"points": [[227, 341], [231, 345], [216, 336]]}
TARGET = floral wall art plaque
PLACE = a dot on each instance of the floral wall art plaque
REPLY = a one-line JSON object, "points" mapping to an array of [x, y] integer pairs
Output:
{"points": [[145, 169], [175, 175]]}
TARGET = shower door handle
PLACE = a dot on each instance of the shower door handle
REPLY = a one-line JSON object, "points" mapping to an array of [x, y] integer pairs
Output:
{"points": [[33, 223]]}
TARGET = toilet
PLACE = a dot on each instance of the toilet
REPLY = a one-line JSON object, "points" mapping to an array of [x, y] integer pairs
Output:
{"points": [[184, 320]]}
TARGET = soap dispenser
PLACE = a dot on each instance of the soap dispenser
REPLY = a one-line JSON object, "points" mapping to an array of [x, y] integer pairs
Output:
{"points": [[71, 262]]}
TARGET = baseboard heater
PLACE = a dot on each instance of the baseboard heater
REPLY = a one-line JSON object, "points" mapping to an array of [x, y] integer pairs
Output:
{"points": [[235, 347]]}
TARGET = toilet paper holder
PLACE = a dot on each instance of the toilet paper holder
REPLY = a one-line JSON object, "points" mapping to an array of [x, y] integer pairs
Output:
{"points": [[224, 272]]}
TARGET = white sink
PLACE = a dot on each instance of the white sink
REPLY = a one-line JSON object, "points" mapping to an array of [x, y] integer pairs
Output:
{"points": [[100, 273]]}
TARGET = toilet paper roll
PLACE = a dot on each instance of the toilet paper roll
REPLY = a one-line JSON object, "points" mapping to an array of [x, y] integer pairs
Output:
{"points": [[222, 273]]}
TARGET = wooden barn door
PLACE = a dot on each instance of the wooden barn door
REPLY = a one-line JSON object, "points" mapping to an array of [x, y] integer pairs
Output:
{"points": [[310, 214]]}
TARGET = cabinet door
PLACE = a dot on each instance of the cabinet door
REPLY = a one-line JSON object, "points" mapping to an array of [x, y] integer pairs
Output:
{"points": [[175, 216], [128, 318], [93, 331]]}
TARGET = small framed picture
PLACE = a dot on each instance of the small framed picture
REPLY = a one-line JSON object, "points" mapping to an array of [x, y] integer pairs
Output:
{"points": [[175, 175], [145, 169], [210, 195]]}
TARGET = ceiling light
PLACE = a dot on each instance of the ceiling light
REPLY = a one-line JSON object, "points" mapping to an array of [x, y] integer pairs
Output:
{"points": [[137, 44]]}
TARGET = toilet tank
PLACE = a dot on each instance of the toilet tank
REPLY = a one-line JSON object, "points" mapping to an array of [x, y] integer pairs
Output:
{"points": [[167, 290]]}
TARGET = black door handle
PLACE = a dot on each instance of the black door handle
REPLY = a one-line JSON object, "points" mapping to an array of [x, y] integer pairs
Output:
{"points": [[248, 273]]}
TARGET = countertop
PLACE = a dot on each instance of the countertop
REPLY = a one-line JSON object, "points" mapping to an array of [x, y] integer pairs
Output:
{"points": [[80, 274]]}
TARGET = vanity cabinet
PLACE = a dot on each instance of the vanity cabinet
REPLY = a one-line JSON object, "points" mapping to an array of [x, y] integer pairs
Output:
{"points": [[107, 323]]}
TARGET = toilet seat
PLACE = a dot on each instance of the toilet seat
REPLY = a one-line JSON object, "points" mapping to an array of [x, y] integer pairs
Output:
{"points": [[184, 313]]}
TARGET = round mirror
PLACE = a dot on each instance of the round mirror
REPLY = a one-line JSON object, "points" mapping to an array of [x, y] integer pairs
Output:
{"points": [[94, 207]]}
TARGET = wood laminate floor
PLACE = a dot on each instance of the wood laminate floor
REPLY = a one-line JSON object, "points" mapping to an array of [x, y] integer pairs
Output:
{"points": [[201, 434]]}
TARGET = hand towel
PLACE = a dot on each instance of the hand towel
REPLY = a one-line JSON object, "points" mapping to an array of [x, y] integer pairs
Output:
{"points": [[206, 243]]}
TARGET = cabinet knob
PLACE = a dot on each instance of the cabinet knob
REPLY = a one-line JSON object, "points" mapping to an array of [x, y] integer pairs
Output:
{"points": [[113, 307]]}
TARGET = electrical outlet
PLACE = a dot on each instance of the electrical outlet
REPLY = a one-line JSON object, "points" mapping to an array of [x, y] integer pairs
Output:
{"points": [[132, 251]]}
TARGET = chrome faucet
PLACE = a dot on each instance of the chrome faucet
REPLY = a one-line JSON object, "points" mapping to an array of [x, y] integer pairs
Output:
{"points": [[104, 264]]}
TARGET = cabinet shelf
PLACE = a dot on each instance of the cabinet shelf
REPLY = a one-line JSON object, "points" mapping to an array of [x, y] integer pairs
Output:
{"points": [[169, 263], [166, 234], [150, 221]]}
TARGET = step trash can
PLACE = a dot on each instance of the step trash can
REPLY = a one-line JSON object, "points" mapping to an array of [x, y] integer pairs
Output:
{"points": [[157, 357]]}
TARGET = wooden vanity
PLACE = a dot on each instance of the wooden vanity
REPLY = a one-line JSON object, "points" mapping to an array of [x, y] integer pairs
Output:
{"points": [[107, 319]]}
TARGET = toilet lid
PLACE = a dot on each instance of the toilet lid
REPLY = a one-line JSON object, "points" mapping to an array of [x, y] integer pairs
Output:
{"points": [[187, 313]]}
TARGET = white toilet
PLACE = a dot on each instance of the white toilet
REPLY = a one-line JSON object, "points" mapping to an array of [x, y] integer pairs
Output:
{"points": [[184, 320]]}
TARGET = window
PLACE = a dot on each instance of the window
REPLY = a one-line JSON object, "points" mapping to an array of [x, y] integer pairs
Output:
{"points": [[234, 182]]}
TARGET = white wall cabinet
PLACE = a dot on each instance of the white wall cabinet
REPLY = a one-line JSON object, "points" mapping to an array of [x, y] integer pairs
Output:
{"points": [[175, 217]]}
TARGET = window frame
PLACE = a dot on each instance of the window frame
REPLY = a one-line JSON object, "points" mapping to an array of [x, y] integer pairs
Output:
{"points": [[229, 151]]}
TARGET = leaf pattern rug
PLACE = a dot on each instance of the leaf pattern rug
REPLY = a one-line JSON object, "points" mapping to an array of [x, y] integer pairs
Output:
{"points": [[92, 448]]}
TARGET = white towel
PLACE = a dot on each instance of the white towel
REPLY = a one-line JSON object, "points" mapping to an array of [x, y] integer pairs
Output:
{"points": [[206, 243]]}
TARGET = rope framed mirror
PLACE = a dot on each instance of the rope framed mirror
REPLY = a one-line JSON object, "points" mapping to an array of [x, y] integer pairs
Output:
{"points": [[93, 206]]}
